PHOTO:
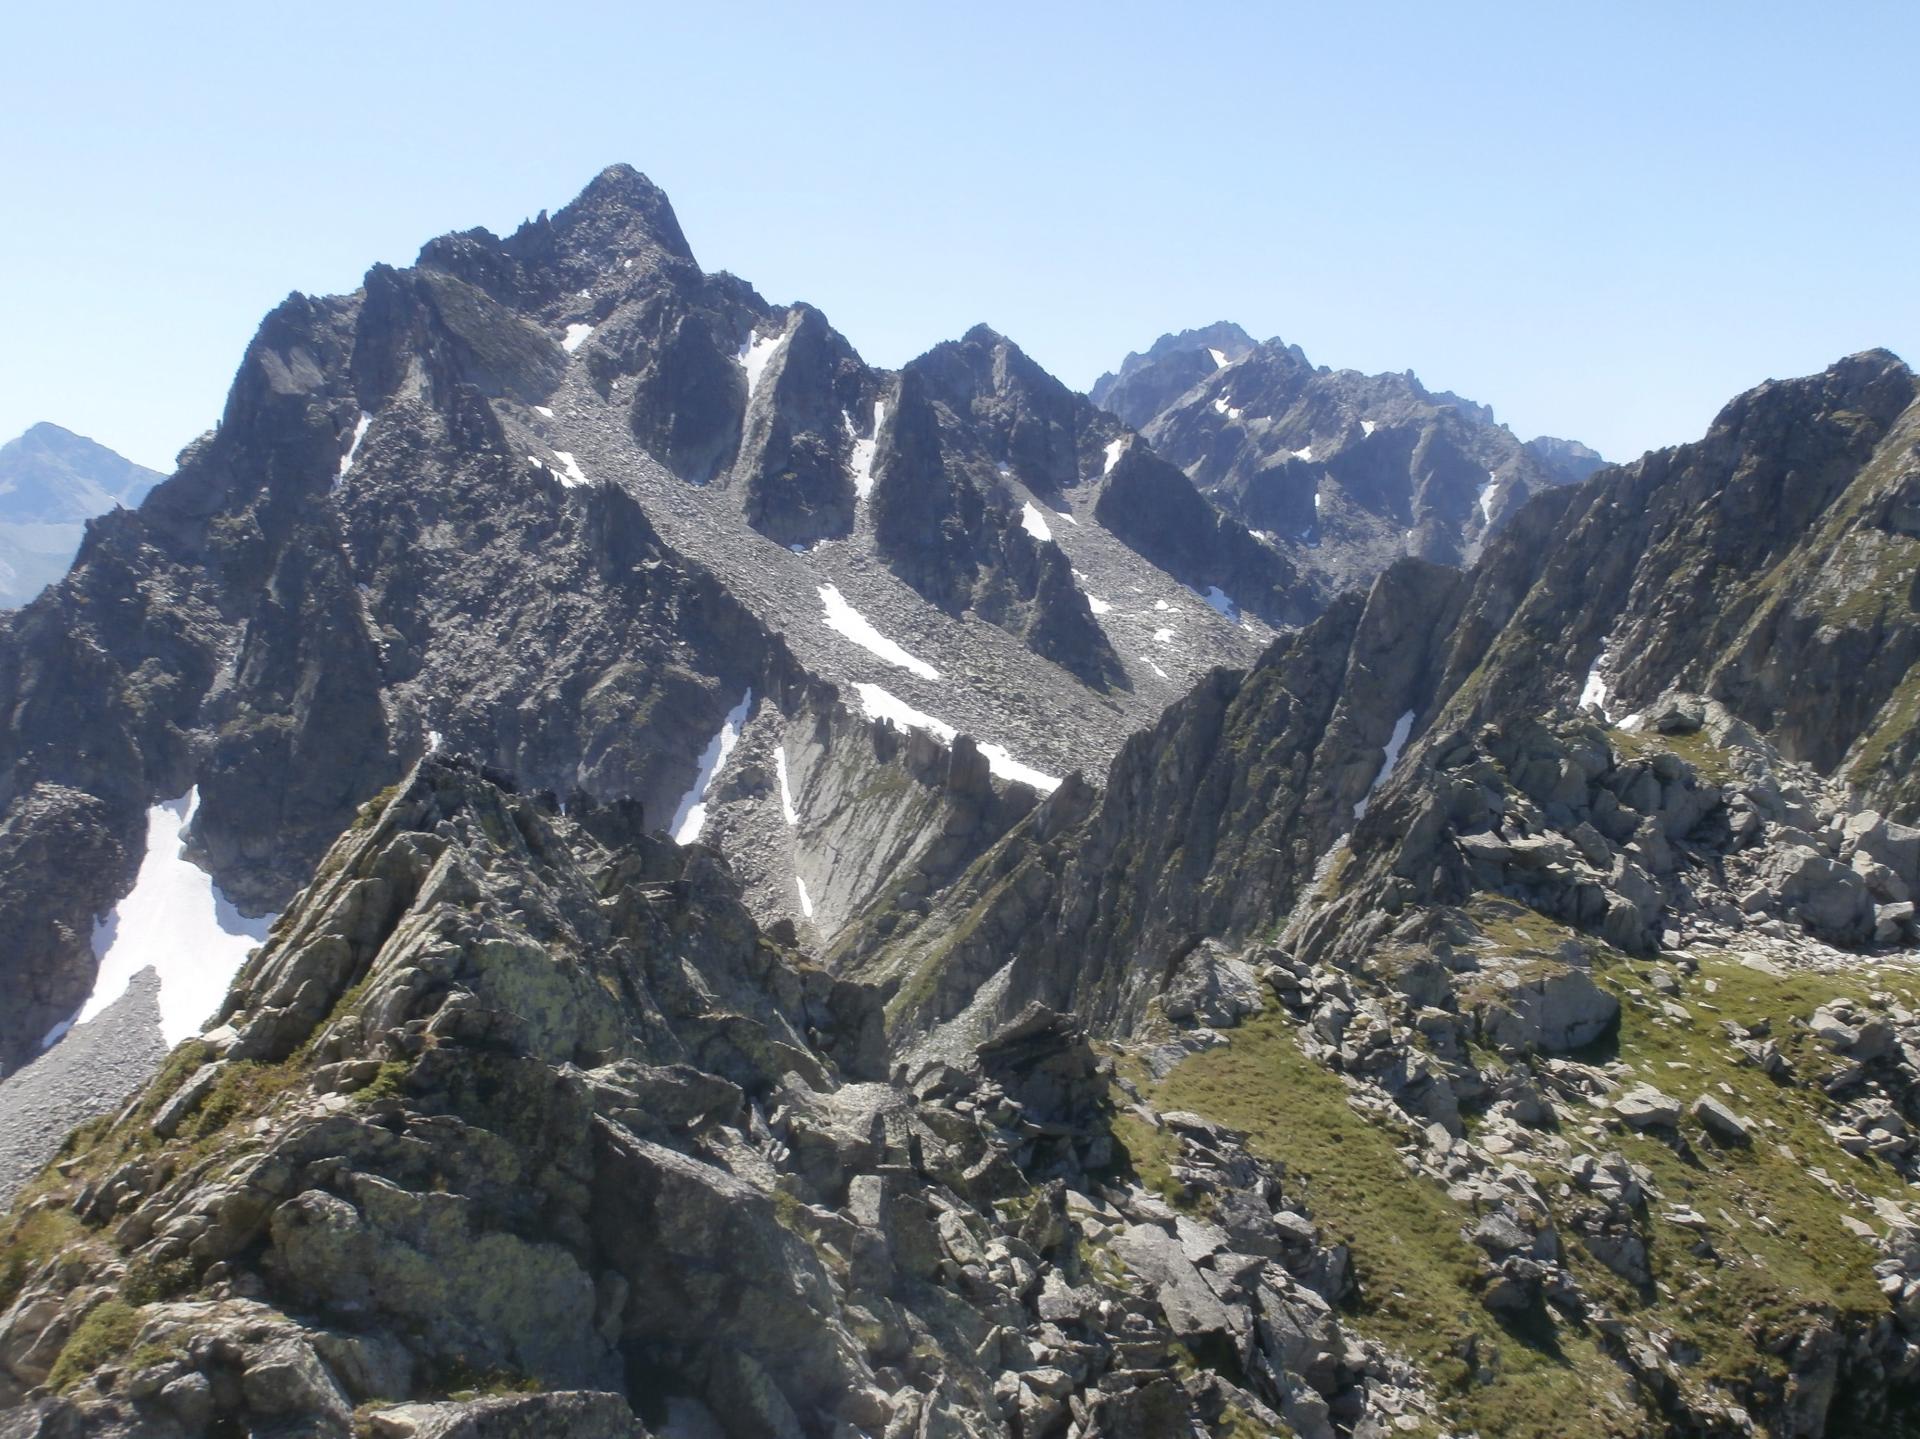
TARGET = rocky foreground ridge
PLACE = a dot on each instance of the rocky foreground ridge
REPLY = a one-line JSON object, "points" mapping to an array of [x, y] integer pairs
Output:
{"points": [[1489, 1009]]}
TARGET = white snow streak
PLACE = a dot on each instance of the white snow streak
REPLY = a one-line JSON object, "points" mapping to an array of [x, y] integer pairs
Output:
{"points": [[1396, 742], [844, 619], [1033, 522], [353, 446], [786, 787], [1164, 636], [691, 815], [1156, 668], [576, 337], [176, 921], [754, 355], [881, 705], [1367, 427], [570, 472], [1007, 767], [1594, 692], [1067, 517], [434, 740], [1219, 359], [1486, 497], [806, 900], [1115, 449], [862, 460], [1097, 605], [543, 410]]}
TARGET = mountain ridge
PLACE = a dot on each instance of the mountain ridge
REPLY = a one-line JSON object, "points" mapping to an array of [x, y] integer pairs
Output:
{"points": [[1292, 994]]}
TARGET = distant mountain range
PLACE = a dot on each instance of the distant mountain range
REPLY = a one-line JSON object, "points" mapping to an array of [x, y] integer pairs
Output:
{"points": [[52, 482], [1340, 471]]}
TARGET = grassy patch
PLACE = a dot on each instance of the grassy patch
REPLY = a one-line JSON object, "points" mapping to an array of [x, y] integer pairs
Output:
{"points": [[33, 1237], [1418, 1277], [107, 1332], [1765, 1277], [1710, 762]]}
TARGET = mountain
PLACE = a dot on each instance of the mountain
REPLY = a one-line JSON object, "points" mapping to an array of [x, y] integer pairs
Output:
{"points": [[673, 910], [52, 482], [1340, 472]]}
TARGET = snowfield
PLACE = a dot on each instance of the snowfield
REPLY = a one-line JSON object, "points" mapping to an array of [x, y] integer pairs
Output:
{"points": [[861, 461], [1396, 742], [353, 447], [690, 816], [177, 922], [754, 355], [879, 704], [844, 619]]}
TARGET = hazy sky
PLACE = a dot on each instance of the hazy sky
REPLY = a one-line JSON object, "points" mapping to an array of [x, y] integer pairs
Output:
{"points": [[1604, 219]]}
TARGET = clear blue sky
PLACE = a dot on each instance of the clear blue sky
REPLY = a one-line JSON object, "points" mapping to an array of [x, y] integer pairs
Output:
{"points": [[1602, 219]]}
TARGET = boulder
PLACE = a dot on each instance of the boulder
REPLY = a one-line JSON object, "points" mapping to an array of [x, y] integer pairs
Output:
{"points": [[1719, 1121], [1644, 1107], [1550, 1013]]}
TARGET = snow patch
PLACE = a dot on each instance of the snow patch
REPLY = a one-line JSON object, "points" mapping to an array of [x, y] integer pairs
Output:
{"points": [[570, 472], [1304, 454], [1595, 691], [1098, 605], [543, 410], [1486, 497], [1396, 742], [1219, 359], [434, 740], [754, 355], [353, 446], [576, 337], [1164, 636], [1221, 406], [861, 462], [1067, 517], [690, 817], [1367, 427], [1316, 500], [1007, 767], [882, 705], [806, 900], [1115, 449], [177, 922], [844, 619], [786, 788], [1156, 668], [1033, 522]]}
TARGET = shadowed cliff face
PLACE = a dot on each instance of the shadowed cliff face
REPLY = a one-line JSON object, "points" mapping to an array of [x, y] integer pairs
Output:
{"points": [[561, 500]]}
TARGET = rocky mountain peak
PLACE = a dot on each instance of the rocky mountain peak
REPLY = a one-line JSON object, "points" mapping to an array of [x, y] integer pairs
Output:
{"points": [[619, 210]]}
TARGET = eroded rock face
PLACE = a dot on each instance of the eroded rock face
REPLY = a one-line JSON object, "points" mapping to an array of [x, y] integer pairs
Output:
{"points": [[518, 1098]]}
